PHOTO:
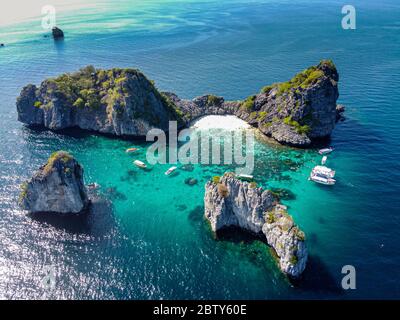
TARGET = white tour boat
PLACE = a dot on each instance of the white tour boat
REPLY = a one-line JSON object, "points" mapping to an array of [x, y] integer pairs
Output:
{"points": [[246, 177], [322, 180], [325, 150], [323, 171], [140, 164]]}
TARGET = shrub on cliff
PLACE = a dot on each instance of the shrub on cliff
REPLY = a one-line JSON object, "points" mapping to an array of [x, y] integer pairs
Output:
{"points": [[248, 104], [222, 190], [215, 179]]}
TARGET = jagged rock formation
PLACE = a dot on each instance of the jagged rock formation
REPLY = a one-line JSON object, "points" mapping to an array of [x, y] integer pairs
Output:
{"points": [[125, 102], [57, 187], [57, 33], [230, 202], [293, 112]]}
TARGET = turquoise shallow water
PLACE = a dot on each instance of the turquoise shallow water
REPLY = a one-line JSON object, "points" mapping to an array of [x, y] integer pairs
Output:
{"points": [[155, 243]]}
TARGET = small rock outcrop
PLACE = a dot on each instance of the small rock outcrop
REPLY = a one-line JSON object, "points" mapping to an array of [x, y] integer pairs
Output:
{"points": [[57, 33], [56, 188], [231, 202], [125, 102], [340, 109]]}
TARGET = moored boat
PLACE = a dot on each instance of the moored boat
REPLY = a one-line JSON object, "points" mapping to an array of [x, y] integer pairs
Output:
{"points": [[322, 180], [324, 159], [245, 177], [325, 150], [170, 170], [140, 164], [323, 171]]}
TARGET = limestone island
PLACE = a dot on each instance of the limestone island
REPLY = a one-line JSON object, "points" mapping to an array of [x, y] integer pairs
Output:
{"points": [[230, 202], [57, 187], [123, 102]]}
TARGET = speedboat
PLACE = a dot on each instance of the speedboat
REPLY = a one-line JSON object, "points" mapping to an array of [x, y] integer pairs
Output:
{"points": [[322, 180], [323, 161], [170, 170], [326, 150], [140, 164], [245, 177], [130, 150], [323, 171]]}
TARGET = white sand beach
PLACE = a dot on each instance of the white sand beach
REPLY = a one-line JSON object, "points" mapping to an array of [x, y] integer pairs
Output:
{"points": [[226, 122]]}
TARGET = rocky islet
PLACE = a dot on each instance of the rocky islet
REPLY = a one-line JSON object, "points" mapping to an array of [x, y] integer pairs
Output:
{"points": [[57, 187], [230, 202], [123, 102]]}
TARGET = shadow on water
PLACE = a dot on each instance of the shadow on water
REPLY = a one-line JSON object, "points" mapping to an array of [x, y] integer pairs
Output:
{"points": [[316, 278], [59, 44], [196, 216], [98, 220], [79, 133]]}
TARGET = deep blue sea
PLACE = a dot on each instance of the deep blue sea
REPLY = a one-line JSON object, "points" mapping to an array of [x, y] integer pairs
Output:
{"points": [[152, 242]]}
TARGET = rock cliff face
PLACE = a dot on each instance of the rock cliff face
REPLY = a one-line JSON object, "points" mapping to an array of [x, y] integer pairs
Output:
{"points": [[234, 203], [118, 101], [125, 102], [57, 187], [293, 112]]}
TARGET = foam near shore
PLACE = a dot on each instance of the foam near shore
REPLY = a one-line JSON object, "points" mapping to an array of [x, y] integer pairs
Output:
{"points": [[225, 122]]}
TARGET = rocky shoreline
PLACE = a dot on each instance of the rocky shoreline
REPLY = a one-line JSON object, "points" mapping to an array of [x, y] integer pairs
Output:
{"points": [[123, 102], [230, 202]]}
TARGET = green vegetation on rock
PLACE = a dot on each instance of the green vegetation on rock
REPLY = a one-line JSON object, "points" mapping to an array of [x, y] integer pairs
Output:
{"points": [[216, 179], [270, 217], [301, 80], [63, 156], [262, 115], [253, 185], [213, 100], [37, 104], [24, 192], [300, 129], [248, 104], [293, 259]]}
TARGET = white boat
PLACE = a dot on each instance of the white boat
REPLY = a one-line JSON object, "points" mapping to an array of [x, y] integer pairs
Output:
{"points": [[246, 177], [130, 150], [170, 170], [323, 171], [139, 164], [325, 150], [324, 159], [322, 180]]}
